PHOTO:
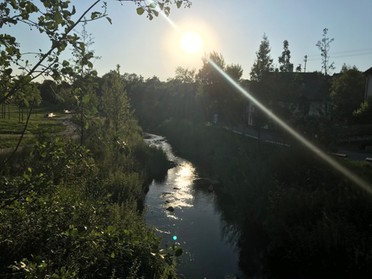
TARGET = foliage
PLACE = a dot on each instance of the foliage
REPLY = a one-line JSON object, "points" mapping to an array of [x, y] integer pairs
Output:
{"points": [[364, 112], [29, 94], [115, 106], [324, 46], [263, 62], [347, 93], [284, 59], [207, 74], [234, 71], [185, 75], [65, 211], [217, 96], [57, 21], [61, 217], [69, 211], [155, 8]]}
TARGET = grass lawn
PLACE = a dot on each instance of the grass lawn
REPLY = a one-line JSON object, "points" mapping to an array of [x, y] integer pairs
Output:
{"points": [[11, 127]]}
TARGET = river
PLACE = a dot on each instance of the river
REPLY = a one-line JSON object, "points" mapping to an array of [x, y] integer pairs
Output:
{"points": [[182, 212]]}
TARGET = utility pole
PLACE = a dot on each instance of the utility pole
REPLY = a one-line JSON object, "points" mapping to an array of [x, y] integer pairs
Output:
{"points": [[305, 60]]}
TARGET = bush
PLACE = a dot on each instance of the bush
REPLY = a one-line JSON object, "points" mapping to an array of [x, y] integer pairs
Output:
{"points": [[54, 221]]}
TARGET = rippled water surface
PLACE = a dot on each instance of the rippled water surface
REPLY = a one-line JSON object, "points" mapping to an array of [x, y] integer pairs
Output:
{"points": [[195, 221]]}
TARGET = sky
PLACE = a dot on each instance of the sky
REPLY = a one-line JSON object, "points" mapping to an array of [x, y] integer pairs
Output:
{"points": [[232, 28]]}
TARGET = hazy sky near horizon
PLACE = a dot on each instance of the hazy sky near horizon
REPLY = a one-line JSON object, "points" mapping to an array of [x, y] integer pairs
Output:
{"points": [[232, 28]]}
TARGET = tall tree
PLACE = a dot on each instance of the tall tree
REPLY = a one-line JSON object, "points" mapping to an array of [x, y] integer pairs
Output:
{"points": [[284, 60], [324, 46], [263, 62], [82, 75]]}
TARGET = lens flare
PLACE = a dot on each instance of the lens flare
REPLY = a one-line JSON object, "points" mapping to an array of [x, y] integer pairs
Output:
{"points": [[337, 166], [347, 173]]}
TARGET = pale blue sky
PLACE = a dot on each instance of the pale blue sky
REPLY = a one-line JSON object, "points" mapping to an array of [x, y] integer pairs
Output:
{"points": [[234, 29]]}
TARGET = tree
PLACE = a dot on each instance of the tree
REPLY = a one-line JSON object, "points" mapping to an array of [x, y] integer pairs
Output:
{"points": [[324, 46], [235, 71], [207, 74], [57, 20], [347, 93], [115, 105], [284, 60], [263, 62], [185, 75], [220, 99], [82, 76]]}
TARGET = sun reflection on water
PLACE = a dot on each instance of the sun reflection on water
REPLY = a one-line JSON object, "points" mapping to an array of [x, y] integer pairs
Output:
{"points": [[181, 196], [185, 175]]}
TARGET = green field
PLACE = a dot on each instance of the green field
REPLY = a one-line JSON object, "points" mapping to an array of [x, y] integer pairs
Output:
{"points": [[11, 124]]}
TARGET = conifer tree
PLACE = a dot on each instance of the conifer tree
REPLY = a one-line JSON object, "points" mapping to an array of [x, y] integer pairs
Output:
{"points": [[263, 62], [284, 60]]}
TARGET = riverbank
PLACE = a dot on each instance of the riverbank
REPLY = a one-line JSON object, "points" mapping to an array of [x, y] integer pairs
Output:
{"points": [[296, 215]]}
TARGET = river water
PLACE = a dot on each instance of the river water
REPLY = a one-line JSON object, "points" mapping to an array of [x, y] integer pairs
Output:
{"points": [[195, 223]]}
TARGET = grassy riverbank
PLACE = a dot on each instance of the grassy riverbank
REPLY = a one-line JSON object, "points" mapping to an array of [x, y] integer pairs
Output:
{"points": [[296, 215], [13, 121]]}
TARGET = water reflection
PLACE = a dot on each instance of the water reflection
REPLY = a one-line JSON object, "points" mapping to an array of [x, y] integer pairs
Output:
{"points": [[175, 207], [185, 175]]}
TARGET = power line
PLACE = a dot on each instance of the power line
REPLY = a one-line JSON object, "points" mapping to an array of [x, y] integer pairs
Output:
{"points": [[343, 54]]}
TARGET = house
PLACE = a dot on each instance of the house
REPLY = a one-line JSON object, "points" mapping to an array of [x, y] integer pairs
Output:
{"points": [[368, 90], [314, 94], [291, 94]]}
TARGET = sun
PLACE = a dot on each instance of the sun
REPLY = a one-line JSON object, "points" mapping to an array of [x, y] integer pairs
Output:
{"points": [[191, 42]]}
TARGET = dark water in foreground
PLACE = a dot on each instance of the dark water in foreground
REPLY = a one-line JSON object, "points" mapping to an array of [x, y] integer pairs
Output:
{"points": [[209, 250]]}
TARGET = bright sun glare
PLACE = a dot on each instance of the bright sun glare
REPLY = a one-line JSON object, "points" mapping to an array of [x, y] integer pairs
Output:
{"points": [[191, 42]]}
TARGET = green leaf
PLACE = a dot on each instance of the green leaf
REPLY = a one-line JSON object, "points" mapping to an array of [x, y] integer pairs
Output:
{"points": [[65, 63], [179, 3], [109, 19], [94, 15], [167, 11], [140, 10]]}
